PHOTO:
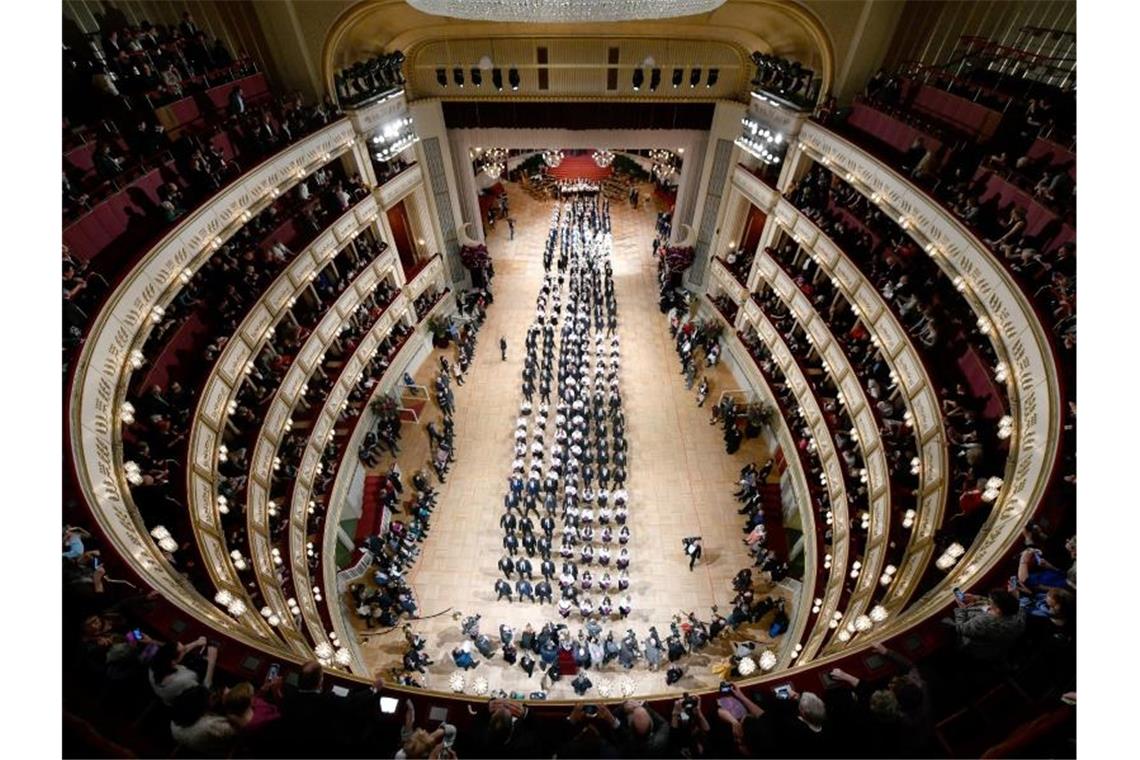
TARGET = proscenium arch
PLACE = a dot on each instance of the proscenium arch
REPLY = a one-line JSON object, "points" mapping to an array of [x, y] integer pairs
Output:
{"points": [[772, 26]]}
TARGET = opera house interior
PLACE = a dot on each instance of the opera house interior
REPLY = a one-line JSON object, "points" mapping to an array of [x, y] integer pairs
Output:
{"points": [[357, 295]]}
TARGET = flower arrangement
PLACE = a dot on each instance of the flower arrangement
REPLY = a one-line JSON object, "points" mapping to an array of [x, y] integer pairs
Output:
{"points": [[678, 258], [475, 256]]}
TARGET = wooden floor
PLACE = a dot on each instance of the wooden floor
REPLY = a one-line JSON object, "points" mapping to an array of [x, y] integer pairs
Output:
{"points": [[680, 479]]}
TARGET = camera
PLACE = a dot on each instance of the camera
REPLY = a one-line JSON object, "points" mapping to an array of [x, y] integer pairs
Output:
{"points": [[725, 687], [590, 710], [689, 702]]}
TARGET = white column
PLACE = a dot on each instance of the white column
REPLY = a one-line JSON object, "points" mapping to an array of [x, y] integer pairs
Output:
{"points": [[688, 188], [735, 209], [796, 164], [466, 185], [361, 162], [725, 126]]}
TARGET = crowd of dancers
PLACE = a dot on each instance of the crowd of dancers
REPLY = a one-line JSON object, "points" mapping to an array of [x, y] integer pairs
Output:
{"points": [[567, 481], [565, 519]]}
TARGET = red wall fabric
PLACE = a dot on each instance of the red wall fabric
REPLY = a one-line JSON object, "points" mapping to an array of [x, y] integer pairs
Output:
{"points": [[753, 227], [94, 232], [960, 112], [402, 236], [898, 134], [178, 114], [1037, 215], [1057, 154]]}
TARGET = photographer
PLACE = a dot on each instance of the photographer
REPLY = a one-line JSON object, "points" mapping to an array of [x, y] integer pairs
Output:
{"points": [[692, 545], [688, 728], [591, 731], [507, 731], [646, 732]]}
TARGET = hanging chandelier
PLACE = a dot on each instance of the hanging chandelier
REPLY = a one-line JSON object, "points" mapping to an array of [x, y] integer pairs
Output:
{"points": [[492, 161], [664, 163], [564, 11], [552, 158], [603, 158]]}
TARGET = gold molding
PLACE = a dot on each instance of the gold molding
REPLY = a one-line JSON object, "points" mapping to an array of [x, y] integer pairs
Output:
{"points": [[411, 28]]}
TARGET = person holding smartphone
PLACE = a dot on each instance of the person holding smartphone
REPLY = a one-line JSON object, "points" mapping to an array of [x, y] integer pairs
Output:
{"points": [[688, 728], [505, 730], [169, 677], [745, 718], [988, 628]]}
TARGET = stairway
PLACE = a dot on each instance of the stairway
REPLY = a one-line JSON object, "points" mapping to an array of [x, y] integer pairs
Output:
{"points": [[369, 508], [581, 166]]}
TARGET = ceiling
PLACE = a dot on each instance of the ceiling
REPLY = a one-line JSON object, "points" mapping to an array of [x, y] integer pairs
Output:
{"points": [[577, 55]]}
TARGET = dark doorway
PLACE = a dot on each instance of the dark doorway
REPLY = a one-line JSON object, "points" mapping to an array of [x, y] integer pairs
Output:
{"points": [[402, 237]]}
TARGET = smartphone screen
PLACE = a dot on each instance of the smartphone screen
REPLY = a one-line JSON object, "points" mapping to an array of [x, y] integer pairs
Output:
{"points": [[783, 691], [733, 707], [388, 705], [959, 595]]}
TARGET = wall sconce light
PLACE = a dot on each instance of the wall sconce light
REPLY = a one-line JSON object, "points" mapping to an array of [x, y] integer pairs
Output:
{"points": [[133, 473]]}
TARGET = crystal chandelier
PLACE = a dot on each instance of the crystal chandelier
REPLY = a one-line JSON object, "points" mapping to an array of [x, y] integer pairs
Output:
{"points": [[603, 158], [564, 11], [664, 163], [492, 161], [552, 158]]}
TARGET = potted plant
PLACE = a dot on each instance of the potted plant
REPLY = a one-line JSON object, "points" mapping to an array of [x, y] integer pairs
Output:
{"points": [[439, 335], [759, 417]]}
